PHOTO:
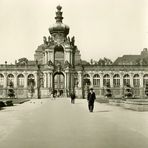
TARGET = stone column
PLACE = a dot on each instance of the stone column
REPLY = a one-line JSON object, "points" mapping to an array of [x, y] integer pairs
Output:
{"points": [[15, 80], [71, 57], [36, 79], [45, 80], [141, 79], [5, 80], [25, 80], [52, 55], [111, 80], [121, 84], [80, 79], [45, 58], [49, 81], [67, 79], [131, 79], [5, 85], [121, 80], [142, 93], [101, 80], [48, 56], [91, 79]]}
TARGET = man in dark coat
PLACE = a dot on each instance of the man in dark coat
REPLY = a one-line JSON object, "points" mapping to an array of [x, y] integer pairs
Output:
{"points": [[72, 97], [91, 98]]}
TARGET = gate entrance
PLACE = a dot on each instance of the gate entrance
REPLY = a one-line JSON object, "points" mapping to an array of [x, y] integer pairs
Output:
{"points": [[59, 81]]}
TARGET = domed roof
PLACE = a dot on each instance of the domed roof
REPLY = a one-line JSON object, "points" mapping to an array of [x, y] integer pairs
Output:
{"points": [[59, 26]]}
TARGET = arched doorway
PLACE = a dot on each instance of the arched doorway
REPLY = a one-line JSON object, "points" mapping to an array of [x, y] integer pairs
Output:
{"points": [[59, 83]]}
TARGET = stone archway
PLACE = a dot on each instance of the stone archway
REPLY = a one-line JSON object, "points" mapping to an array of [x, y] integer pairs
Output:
{"points": [[59, 82]]}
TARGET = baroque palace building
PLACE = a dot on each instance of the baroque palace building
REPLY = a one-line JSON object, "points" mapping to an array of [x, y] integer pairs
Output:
{"points": [[57, 66]]}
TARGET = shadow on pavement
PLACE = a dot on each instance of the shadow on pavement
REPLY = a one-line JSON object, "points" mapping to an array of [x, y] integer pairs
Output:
{"points": [[103, 111]]}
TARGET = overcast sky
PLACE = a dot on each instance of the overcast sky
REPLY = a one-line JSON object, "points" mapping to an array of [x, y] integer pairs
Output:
{"points": [[102, 28]]}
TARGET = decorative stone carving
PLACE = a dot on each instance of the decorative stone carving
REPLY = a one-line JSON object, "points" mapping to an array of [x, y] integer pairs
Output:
{"points": [[50, 63], [22, 61], [73, 41], [108, 92], [128, 92], [59, 67], [45, 40], [67, 64]]}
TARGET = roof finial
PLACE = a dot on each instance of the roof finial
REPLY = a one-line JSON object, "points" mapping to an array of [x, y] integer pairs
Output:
{"points": [[59, 14], [59, 7]]}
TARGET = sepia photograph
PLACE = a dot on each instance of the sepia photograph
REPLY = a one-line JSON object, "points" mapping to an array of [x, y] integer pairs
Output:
{"points": [[73, 73]]}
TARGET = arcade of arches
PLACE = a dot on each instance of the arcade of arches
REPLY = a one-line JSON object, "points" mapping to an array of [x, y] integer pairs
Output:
{"points": [[57, 66]]}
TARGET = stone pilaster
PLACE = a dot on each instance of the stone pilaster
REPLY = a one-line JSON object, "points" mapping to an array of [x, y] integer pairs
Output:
{"points": [[142, 93], [101, 80], [15, 80], [49, 81], [91, 79], [45, 57], [111, 80], [25, 80], [45, 80], [131, 79], [121, 80], [36, 79], [80, 79], [5, 80], [141, 79]]}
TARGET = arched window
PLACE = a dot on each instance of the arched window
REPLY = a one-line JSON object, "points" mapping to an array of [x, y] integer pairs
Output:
{"points": [[86, 79], [136, 80], [145, 79], [1, 80], [116, 80], [106, 80], [31, 80], [10, 78], [96, 80], [59, 55], [20, 80], [126, 79]]}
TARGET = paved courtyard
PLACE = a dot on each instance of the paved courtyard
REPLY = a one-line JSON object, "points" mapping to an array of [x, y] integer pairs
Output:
{"points": [[57, 123]]}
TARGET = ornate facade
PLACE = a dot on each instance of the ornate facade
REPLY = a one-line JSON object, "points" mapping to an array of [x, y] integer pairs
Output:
{"points": [[58, 66]]}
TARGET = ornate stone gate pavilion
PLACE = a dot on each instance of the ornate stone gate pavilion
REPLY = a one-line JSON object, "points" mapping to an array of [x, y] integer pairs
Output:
{"points": [[57, 65]]}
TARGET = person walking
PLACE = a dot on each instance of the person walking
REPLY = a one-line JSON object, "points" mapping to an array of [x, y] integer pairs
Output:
{"points": [[73, 96], [91, 98]]}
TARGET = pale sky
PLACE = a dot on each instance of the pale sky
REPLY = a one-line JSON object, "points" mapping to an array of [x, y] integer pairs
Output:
{"points": [[102, 28]]}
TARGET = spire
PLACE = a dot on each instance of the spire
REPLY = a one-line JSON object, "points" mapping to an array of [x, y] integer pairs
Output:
{"points": [[59, 17]]}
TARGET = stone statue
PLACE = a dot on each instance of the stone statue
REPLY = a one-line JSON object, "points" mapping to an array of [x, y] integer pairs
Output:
{"points": [[73, 41], [22, 61], [68, 39], [49, 39], [50, 63], [128, 92], [108, 92], [67, 64], [45, 40]]}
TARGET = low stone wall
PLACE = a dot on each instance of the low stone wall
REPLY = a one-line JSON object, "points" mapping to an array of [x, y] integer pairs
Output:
{"points": [[136, 104], [133, 104]]}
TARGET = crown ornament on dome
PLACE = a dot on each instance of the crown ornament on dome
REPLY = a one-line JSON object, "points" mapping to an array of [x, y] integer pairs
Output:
{"points": [[59, 17], [59, 27]]}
